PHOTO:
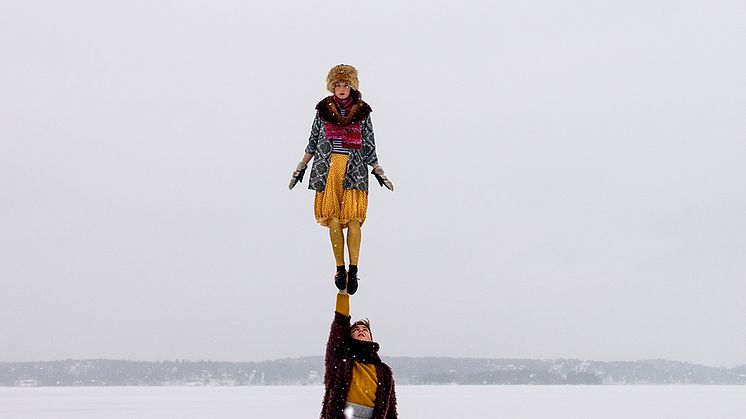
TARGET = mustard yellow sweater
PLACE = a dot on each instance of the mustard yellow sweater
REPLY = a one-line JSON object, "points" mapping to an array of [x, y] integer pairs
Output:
{"points": [[364, 381]]}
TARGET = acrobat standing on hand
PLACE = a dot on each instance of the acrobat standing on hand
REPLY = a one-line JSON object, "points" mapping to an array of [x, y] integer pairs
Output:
{"points": [[342, 145], [357, 383]]}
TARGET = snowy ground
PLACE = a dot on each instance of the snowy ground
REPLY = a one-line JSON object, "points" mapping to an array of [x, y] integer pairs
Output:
{"points": [[425, 402]]}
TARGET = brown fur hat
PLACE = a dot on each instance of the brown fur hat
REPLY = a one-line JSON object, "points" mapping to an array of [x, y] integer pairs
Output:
{"points": [[342, 73]]}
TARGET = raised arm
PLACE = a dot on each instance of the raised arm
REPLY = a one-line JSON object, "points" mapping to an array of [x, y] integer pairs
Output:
{"points": [[340, 331]]}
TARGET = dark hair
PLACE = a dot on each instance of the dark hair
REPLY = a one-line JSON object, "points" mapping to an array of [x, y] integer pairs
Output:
{"points": [[364, 322]]}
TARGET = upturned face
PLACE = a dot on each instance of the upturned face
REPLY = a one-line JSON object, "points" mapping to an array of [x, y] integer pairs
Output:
{"points": [[342, 90], [360, 332]]}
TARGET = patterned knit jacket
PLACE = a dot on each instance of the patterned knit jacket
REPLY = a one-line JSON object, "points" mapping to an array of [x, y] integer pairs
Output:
{"points": [[338, 375], [356, 175]]}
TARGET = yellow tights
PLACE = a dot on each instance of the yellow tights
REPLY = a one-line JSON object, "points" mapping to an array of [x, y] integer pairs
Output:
{"points": [[338, 241]]}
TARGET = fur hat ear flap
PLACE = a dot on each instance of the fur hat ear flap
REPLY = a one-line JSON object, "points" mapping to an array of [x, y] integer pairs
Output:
{"points": [[342, 73]]}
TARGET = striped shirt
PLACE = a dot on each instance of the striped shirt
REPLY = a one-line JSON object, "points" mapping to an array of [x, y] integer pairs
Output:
{"points": [[337, 146]]}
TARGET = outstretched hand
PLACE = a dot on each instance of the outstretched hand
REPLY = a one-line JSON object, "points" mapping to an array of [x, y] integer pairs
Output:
{"points": [[297, 176], [381, 177]]}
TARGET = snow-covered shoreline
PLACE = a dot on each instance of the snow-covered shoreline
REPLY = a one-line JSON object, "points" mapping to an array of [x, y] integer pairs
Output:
{"points": [[257, 402]]}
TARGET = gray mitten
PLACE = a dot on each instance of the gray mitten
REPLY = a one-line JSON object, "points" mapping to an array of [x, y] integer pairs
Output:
{"points": [[298, 174]]}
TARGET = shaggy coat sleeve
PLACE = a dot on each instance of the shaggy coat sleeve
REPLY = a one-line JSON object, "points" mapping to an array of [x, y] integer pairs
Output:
{"points": [[337, 372], [340, 330], [313, 139], [369, 142]]}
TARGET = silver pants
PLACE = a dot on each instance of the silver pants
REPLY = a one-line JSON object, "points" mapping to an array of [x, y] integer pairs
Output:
{"points": [[356, 411]]}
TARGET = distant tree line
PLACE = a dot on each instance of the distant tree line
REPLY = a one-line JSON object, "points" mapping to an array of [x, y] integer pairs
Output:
{"points": [[407, 370]]}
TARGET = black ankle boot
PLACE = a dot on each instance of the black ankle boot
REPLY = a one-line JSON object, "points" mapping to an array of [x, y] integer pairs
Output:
{"points": [[352, 280], [340, 278]]}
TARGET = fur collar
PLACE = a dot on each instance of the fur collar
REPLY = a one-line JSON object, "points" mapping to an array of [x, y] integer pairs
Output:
{"points": [[329, 112]]}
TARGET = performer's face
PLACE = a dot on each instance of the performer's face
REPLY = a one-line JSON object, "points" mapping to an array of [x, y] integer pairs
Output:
{"points": [[342, 90], [360, 332]]}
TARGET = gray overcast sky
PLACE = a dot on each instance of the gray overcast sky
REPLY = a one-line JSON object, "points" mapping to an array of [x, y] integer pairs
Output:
{"points": [[569, 178]]}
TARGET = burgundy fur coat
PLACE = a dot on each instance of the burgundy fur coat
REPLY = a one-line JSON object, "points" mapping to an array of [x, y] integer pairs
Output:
{"points": [[341, 352]]}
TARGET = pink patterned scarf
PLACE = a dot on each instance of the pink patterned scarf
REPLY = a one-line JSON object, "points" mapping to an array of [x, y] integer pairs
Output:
{"points": [[351, 135]]}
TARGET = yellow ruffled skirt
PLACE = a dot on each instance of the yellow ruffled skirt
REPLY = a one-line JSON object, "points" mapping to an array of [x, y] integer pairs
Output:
{"points": [[337, 203]]}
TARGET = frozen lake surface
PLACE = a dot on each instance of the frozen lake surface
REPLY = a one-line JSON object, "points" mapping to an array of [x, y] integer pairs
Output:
{"points": [[424, 402]]}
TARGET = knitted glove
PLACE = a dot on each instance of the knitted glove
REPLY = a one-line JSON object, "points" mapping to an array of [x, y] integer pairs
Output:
{"points": [[298, 174], [381, 177]]}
